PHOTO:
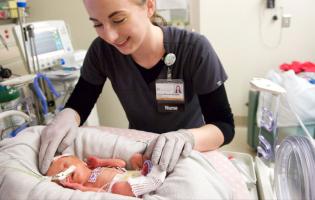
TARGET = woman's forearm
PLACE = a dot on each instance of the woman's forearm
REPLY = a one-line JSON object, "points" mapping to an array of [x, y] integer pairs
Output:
{"points": [[207, 137]]}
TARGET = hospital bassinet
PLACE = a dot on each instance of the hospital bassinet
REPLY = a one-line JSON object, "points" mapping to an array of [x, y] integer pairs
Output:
{"points": [[20, 178]]}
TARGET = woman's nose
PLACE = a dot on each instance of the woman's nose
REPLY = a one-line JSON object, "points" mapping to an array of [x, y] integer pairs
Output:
{"points": [[110, 34]]}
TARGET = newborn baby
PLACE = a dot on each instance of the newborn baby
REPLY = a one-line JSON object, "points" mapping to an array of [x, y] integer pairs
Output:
{"points": [[109, 175]]}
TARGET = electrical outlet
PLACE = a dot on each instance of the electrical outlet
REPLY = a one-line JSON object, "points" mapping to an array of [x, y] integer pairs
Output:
{"points": [[286, 21]]}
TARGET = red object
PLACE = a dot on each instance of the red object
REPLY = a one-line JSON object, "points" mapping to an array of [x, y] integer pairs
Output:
{"points": [[2, 15], [298, 67], [145, 170], [308, 67]]}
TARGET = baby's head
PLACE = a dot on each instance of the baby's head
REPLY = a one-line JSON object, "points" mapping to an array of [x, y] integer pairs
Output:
{"points": [[59, 164]]}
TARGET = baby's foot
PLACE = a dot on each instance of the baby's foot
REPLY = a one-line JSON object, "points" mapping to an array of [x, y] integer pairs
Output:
{"points": [[136, 161]]}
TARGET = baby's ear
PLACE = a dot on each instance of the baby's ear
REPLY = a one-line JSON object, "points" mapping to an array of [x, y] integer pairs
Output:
{"points": [[65, 165], [54, 169]]}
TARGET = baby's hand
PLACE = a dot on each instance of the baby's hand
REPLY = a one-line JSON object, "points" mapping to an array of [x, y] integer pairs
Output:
{"points": [[92, 162]]}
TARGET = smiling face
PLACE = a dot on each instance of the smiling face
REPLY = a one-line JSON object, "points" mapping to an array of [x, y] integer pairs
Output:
{"points": [[81, 173], [122, 23]]}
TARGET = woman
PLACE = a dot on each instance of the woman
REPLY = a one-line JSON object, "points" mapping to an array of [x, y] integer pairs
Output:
{"points": [[144, 63]]}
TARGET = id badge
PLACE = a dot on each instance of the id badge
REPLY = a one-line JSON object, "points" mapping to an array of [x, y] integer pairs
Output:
{"points": [[170, 95]]}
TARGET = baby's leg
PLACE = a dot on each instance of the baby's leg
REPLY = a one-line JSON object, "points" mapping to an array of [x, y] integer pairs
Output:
{"points": [[122, 188], [137, 161]]}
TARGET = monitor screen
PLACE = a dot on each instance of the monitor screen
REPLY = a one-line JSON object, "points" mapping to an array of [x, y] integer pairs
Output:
{"points": [[47, 41], [51, 41]]}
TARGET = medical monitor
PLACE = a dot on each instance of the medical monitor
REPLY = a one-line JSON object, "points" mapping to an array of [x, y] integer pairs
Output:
{"points": [[51, 39]]}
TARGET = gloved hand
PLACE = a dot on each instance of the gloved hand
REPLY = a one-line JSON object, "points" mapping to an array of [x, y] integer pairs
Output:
{"points": [[57, 135], [166, 149]]}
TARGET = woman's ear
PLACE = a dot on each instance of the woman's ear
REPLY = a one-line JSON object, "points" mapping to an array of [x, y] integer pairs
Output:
{"points": [[150, 7], [65, 165]]}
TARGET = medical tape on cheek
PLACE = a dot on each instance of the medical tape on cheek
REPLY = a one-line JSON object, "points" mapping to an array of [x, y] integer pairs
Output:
{"points": [[61, 176], [64, 174]]}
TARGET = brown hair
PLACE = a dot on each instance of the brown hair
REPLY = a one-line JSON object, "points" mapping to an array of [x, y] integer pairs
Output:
{"points": [[156, 19]]}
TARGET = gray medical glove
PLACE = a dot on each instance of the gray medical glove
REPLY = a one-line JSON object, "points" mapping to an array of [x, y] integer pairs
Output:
{"points": [[166, 149], [57, 136]]}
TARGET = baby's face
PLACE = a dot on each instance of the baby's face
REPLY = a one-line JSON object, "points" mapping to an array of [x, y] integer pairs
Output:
{"points": [[81, 173]]}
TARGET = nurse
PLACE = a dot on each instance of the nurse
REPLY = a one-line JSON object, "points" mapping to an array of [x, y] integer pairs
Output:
{"points": [[145, 62]]}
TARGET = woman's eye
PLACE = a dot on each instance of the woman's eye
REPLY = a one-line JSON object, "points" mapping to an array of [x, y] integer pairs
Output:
{"points": [[118, 21], [97, 25]]}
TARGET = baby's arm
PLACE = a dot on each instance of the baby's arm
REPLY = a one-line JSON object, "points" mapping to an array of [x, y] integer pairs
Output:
{"points": [[136, 162], [94, 162]]}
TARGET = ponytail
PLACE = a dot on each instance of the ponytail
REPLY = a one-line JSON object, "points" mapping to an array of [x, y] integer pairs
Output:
{"points": [[156, 19]]}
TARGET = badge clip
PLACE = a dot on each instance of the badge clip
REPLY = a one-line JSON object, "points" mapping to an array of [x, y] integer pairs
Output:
{"points": [[169, 60]]}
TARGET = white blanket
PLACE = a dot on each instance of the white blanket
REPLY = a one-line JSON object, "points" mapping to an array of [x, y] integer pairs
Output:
{"points": [[192, 178]]}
